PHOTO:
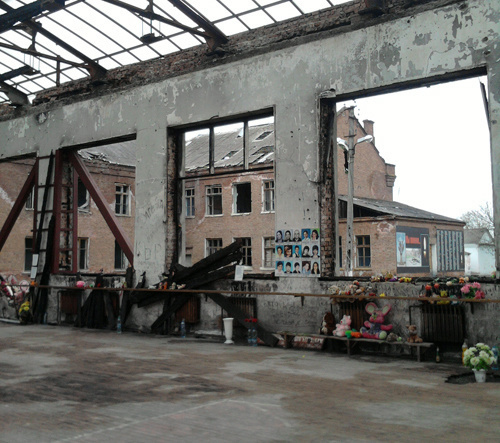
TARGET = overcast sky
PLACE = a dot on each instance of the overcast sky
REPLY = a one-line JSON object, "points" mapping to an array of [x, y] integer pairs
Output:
{"points": [[438, 139]]}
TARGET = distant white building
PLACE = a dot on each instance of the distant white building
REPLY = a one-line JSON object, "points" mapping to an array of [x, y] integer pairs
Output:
{"points": [[479, 251]]}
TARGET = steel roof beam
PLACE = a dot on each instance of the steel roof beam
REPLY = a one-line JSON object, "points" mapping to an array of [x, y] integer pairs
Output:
{"points": [[94, 68], [216, 36], [151, 15], [23, 70], [27, 12], [29, 51], [16, 97]]}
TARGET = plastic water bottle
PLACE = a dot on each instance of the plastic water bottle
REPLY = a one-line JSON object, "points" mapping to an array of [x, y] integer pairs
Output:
{"points": [[183, 328], [494, 349], [464, 348], [119, 325], [254, 336], [250, 336]]}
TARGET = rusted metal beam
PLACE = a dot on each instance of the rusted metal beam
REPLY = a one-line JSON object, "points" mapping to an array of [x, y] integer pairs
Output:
{"points": [[41, 55], [110, 218], [23, 70], [18, 205], [217, 37], [151, 15], [95, 70], [16, 97], [27, 12]]}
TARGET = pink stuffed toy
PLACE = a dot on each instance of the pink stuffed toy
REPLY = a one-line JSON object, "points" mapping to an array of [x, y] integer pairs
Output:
{"points": [[373, 327], [344, 325]]}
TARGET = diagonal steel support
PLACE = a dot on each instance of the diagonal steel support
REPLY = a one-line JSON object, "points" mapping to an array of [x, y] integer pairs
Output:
{"points": [[217, 37], [151, 15], [23, 70], [110, 218], [16, 97], [18, 205]]}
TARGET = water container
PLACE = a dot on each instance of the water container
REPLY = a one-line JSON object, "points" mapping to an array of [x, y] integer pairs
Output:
{"points": [[494, 349], [119, 325], [183, 328]]}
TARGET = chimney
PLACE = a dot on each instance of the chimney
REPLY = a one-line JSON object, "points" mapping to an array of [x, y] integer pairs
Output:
{"points": [[368, 125]]}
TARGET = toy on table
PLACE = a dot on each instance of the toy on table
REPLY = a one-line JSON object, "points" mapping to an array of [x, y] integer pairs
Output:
{"points": [[373, 327]]}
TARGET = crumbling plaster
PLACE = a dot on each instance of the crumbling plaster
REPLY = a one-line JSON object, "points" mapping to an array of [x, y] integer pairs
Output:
{"points": [[436, 44]]}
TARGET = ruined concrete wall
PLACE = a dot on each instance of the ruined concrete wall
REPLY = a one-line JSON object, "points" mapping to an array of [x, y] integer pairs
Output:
{"points": [[449, 41]]}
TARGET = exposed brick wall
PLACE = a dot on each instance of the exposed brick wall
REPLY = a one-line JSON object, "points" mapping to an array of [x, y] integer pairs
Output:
{"points": [[91, 224], [338, 19]]}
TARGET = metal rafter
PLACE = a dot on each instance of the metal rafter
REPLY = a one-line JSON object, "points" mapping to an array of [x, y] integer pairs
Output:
{"points": [[41, 55], [94, 69], [216, 36], [27, 12]]}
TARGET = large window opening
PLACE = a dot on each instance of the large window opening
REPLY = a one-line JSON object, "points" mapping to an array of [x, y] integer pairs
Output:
{"points": [[421, 166], [230, 166]]}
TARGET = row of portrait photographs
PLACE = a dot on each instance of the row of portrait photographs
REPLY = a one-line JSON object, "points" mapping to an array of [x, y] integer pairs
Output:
{"points": [[293, 250], [297, 268], [297, 235]]}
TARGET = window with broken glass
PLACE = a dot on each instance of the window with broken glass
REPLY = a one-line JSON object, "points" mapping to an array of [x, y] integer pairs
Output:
{"points": [[83, 254], [242, 198], [189, 202], [122, 198], [28, 253], [268, 196], [83, 197], [212, 245], [246, 248], [363, 250], [213, 200], [121, 261], [268, 249]]}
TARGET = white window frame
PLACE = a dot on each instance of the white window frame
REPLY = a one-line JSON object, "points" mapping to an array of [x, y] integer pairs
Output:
{"points": [[85, 207], [246, 247], [271, 248], [121, 193], [210, 248], [30, 201], [124, 259], [86, 249], [209, 199], [189, 197], [265, 192]]}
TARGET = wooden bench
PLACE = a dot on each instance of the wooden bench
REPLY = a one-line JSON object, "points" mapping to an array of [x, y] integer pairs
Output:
{"points": [[352, 343]]}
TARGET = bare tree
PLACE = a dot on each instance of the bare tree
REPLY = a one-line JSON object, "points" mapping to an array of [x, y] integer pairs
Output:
{"points": [[479, 218]]}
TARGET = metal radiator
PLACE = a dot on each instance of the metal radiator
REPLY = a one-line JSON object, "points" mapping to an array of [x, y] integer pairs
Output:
{"points": [[443, 323], [356, 310]]}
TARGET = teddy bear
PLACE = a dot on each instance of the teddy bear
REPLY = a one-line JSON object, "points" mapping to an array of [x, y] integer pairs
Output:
{"points": [[373, 328], [344, 325], [327, 325], [413, 338]]}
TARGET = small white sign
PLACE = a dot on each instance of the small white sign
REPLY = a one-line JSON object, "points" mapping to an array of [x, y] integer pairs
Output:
{"points": [[238, 273]]}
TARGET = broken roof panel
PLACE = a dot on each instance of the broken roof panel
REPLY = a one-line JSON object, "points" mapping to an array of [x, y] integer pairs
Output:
{"points": [[108, 36], [387, 207]]}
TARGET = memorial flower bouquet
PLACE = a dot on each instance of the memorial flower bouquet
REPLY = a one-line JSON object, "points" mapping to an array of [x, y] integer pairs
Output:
{"points": [[472, 290], [479, 357]]}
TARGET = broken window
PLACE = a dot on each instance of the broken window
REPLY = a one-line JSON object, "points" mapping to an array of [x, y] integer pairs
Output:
{"points": [[120, 259], [122, 198], [246, 248], [339, 258], [190, 202], [83, 197], [268, 252], [28, 253], [364, 252], [268, 196], [242, 198], [30, 201], [83, 254], [212, 245], [214, 200]]}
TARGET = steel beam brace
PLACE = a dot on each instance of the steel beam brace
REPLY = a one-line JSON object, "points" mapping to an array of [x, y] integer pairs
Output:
{"points": [[216, 36], [27, 12], [18, 205], [102, 204], [94, 68], [16, 97]]}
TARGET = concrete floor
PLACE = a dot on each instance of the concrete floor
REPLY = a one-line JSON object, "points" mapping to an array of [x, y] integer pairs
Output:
{"points": [[66, 384]]}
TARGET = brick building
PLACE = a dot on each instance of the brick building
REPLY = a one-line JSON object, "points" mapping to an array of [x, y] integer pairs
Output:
{"points": [[113, 169]]}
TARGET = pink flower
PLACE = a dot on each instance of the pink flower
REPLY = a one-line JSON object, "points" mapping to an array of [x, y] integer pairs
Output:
{"points": [[479, 295], [476, 285], [465, 289]]}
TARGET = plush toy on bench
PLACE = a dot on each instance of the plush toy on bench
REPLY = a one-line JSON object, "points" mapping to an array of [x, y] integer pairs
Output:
{"points": [[413, 338], [343, 326], [373, 327], [328, 324]]}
